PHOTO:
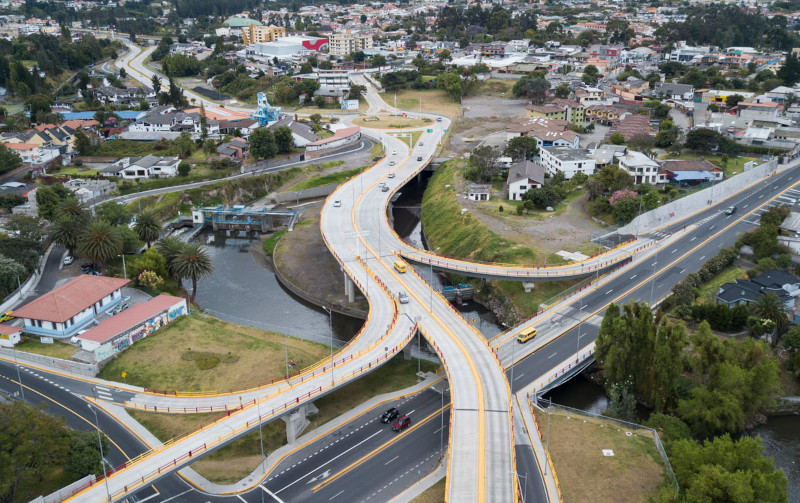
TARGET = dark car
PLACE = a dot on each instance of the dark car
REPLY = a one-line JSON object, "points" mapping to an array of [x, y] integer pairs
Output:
{"points": [[730, 210], [402, 423], [419, 158], [390, 415]]}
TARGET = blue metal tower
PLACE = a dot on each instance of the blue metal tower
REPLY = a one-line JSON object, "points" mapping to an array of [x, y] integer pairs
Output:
{"points": [[265, 113]]}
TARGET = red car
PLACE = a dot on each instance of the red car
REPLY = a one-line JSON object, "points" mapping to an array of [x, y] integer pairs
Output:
{"points": [[402, 423]]}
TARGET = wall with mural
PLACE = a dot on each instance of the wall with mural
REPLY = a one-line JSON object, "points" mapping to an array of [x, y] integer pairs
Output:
{"points": [[121, 343]]}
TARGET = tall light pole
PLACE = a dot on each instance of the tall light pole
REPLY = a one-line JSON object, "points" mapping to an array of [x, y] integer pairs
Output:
{"points": [[330, 327], [441, 425], [286, 345], [525, 487], [261, 439], [19, 376], [102, 456], [580, 322], [653, 279]]}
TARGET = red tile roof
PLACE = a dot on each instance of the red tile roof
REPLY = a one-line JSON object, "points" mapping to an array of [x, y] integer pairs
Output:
{"points": [[689, 165], [9, 329], [338, 135], [69, 299], [129, 318]]}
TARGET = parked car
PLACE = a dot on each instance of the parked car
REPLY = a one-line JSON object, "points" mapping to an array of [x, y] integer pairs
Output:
{"points": [[402, 423], [390, 415], [421, 144], [731, 210], [68, 260], [8, 315]]}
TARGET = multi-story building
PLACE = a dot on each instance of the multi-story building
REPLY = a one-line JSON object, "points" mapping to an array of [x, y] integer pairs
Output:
{"points": [[347, 42], [568, 160], [640, 167], [257, 34]]}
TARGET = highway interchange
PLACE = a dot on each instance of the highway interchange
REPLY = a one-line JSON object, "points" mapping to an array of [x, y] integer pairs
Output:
{"points": [[685, 247]]}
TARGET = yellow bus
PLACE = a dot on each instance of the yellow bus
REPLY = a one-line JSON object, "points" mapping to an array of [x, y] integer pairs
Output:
{"points": [[527, 334], [400, 266]]}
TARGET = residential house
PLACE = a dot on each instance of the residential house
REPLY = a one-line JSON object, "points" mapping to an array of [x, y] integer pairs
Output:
{"points": [[477, 192], [549, 111], [642, 168], [674, 91], [689, 171], [149, 166], [66, 309], [302, 134], [128, 96], [574, 110], [522, 177], [589, 95], [237, 148], [607, 154], [567, 160], [631, 125], [784, 285]]}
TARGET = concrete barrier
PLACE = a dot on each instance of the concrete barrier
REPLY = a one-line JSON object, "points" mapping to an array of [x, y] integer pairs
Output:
{"points": [[302, 195], [57, 364], [32, 282], [678, 209]]}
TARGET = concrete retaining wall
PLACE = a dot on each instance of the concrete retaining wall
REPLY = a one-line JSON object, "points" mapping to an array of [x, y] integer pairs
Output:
{"points": [[300, 195], [692, 203], [65, 366]]}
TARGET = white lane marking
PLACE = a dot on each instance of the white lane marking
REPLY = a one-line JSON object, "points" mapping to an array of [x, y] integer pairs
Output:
{"points": [[240, 497], [335, 495], [701, 258], [761, 196], [330, 461], [271, 494], [551, 356], [673, 251], [633, 276], [408, 414], [518, 378], [178, 495], [609, 291], [386, 463], [693, 238], [745, 206]]}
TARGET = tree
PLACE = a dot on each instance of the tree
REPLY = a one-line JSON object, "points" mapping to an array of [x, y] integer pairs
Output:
{"points": [[562, 91], [617, 138], [356, 92], [594, 188], [184, 144], [32, 444], [83, 144], [619, 31], [733, 100], [712, 412], [114, 213], [770, 307], [284, 140], [262, 144], [26, 228], [482, 162], [210, 147], [707, 140], [9, 160], [194, 263], [11, 272], [590, 75], [621, 402], [155, 81], [625, 210], [661, 111], [66, 232], [533, 86], [150, 260], [84, 455], [170, 248], [203, 122], [184, 168], [521, 148], [378, 61], [100, 242], [147, 227], [149, 279], [789, 72], [722, 469]]}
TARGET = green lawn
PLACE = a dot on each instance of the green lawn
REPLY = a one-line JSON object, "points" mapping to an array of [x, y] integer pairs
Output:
{"points": [[324, 133], [376, 150], [433, 494], [56, 350], [433, 101], [734, 166], [319, 181], [272, 241], [708, 291]]}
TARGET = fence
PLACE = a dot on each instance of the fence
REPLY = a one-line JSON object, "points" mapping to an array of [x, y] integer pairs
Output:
{"points": [[624, 424], [68, 366]]}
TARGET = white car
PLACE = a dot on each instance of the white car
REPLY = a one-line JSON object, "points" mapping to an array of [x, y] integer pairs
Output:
{"points": [[68, 260], [391, 175], [337, 203], [394, 152]]}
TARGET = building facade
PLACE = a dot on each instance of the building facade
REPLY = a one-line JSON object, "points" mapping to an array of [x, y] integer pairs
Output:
{"points": [[347, 42], [567, 160], [257, 34]]}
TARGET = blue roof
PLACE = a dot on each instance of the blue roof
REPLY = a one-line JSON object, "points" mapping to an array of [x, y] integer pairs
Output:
{"points": [[692, 175], [123, 114]]}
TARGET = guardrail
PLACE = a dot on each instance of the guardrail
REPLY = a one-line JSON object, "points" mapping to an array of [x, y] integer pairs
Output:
{"points": [[546, 451]]}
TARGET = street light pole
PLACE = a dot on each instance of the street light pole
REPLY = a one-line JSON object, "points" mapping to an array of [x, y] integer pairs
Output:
{"points": [[580, 322], [19, 377], [441, 425], [525, 487], [286, 345], [260, 437], [102, 456], [330, 327]]}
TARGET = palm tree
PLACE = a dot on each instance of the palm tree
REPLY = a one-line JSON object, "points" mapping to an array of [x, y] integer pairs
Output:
{"points": [[194, 263], [770, 307], [72, 207], [147, 227], [66, 232], [100, 242], [170, 248]]}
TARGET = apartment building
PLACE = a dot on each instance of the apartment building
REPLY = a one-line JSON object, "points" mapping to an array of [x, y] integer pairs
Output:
{"points": [[258, 34], [347, 42]]}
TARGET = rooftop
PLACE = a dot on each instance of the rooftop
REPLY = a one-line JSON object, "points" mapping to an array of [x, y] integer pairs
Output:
{"points": [[69, 299], [129, 318]]}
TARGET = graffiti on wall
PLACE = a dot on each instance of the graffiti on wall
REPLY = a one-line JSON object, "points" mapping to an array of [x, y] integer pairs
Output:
{"points": [[177, 311], [141, 331]]}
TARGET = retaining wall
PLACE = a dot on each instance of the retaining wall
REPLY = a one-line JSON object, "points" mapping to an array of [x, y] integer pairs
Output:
{"points": [[66, 366], [31, 283], [692, 203]]}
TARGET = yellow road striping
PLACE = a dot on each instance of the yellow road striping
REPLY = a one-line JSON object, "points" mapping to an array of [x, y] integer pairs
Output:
{"points": [[473, 369], [661, 270], [379, 449]]}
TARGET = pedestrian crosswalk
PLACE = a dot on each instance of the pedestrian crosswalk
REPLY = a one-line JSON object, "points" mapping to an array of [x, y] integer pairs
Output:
{"points": [[660, 234], [103, 393]]}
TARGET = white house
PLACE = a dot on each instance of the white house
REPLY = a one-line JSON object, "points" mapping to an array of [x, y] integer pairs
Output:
{"points": [[640, 167], [149, 166], [479, 192], [555, 138], [567, 160], [522, 177]]}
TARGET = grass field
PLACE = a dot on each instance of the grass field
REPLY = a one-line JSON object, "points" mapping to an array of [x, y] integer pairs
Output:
{"points": [[158, 360], [272, 241], [50, 482], [433, 101], [632, 475], [239, 458], [376, 150], [56, 350], [390, 122], [434, 494], [319, 181], [82, 171], [497, 87]]}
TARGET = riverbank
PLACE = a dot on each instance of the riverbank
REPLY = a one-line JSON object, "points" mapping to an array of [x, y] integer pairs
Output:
{"points": [[467, 236], [305, 266]]}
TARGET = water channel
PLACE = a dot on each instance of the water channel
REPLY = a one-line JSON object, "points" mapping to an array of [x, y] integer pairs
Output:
{"points": [[243, 289]]}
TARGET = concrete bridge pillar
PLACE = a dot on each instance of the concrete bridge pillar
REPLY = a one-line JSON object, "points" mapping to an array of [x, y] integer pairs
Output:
{"points": [[407, 351], [349, 288], [528, 286], [297, 421]]}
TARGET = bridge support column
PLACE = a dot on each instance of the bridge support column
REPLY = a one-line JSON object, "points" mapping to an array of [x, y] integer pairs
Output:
{"points": [[528, 286], [407, 351], [297, 421], [349, 288]]}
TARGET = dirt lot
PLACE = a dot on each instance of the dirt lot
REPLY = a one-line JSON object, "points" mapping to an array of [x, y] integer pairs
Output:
{"points": [[493, 106], [467, 133]]}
